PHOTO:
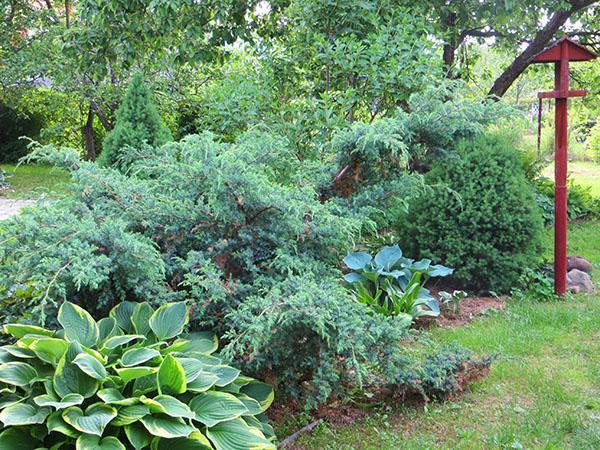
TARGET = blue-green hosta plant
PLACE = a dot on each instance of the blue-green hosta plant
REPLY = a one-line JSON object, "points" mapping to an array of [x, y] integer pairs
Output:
{"points": [[393, 285], [129, 381]]}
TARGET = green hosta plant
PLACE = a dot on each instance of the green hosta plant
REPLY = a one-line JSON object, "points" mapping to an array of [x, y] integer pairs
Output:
{"points": [[129, 381], [393, 285]]}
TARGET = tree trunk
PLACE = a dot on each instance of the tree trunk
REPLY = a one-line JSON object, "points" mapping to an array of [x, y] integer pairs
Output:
{"points": [[540, 41], [449, 55], [88, 136]]}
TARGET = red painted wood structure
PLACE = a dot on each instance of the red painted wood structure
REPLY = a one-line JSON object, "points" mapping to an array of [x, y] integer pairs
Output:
{"points": [[561, 53]]}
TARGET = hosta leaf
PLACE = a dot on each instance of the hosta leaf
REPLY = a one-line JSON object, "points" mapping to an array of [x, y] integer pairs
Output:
{"points": [[17, 373], [439, 271], [113, 396], [69, 379], [353, 277], [236, 434], [22, 414], [213, 407], [166, 427], [78, 324], [136, 356], [130, 414], [251, 405], [116, 341], [143, 385], [357, 260], [137, 436], [19, 352], [50, 350], [9, 399], [165, 404], [259, 391], [131, 373], [195, 441], [122, 313], [388, 256], [192, 368], [225, 374], [93, 421], [203, 383], [168, 320], [201, 342], [89, 442], [91, 366], [57, 424], [171, 377], [108, 328], [19, 331], [141, 318], [56, 403], [15, 439]]}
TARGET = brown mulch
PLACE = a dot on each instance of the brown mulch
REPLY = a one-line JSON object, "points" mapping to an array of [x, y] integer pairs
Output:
{"points": [[470, 309]]}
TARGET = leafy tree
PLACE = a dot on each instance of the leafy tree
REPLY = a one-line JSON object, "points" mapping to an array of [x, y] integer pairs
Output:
{"points": [[138, 123]]}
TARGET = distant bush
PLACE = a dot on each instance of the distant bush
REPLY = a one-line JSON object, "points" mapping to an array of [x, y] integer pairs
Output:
{"points": [[481, 217], [581, 204], [14, 126], [138, 123]]}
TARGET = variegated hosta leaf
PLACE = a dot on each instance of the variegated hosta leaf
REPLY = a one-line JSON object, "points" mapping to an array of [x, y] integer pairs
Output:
{"points": [[78, 324], [17, 373], [15, 439], [68, 377], [56, 423], [137, 356], [168, 320], [138, 436], [23, 414], [195, 441], [19, 331], [213, 407], [56, 403], [113, 396], [171, 377], [131, 373], [165, 404], [49, 350], [130, 414], [236, 434], [89, 442], [93, 421], [166, 427], [90, 366]]}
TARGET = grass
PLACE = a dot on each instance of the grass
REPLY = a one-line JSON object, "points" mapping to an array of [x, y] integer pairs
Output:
{"points": [[584, 173], [543, 390], [30, 181]]}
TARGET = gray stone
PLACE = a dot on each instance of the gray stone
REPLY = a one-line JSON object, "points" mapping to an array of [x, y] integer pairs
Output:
{"points": [[579, 263], [579, 281]]}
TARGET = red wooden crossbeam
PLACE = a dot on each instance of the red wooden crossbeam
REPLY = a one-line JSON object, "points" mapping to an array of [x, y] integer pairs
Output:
{"points": [[563, 94]]}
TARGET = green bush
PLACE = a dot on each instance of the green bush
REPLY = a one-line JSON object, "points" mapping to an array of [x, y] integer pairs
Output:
{"points": [[14, 126], [130, 381], [581, 204], [481, 217], [138, 123]]}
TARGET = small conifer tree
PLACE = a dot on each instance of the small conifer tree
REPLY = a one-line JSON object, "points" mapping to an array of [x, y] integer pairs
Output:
{"points": [[138, 122]]}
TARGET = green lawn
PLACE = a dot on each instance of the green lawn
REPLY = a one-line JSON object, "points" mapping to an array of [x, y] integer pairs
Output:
{"points": [[542, 392], [30, 181], [585, 174]]}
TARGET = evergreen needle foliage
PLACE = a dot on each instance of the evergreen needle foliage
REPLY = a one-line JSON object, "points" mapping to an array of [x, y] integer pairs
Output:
{"points": [[138, 123]]}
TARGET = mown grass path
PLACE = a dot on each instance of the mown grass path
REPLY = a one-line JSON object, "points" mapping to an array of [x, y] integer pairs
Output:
{"points": [[543, 391]]}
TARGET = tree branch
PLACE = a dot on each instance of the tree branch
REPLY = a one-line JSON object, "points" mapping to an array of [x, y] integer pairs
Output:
{"points": [[540, 41]]}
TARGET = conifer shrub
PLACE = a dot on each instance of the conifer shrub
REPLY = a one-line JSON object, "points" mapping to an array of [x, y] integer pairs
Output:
{"points": [[481, 216], [138, 122]]}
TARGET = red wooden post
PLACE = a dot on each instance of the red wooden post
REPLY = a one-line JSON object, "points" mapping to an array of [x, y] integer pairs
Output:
{"points": [[560, 54]]}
